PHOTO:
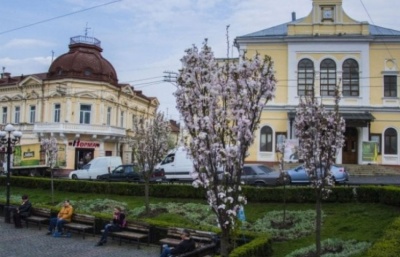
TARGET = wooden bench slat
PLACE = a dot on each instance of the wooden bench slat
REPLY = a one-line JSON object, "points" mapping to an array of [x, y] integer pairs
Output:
{"points": [[81, 223], [133, 231], [38, 216]]}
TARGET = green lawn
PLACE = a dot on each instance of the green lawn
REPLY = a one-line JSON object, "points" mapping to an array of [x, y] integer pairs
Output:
{"points": [[363, 222]]}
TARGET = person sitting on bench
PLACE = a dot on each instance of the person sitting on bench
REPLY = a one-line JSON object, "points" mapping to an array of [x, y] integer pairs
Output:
{"points": [[186, 245], [64, 216], [23, 211]]}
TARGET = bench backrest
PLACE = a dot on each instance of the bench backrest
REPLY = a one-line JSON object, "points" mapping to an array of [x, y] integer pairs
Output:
{"points": [[83, 218], [196, 235], [43, 212], [137, 227]]}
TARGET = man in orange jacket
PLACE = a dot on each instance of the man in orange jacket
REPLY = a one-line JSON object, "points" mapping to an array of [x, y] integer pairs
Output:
{"points": [[64, 216]]}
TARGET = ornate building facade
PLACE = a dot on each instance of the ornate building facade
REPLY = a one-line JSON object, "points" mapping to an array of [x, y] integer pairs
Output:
{"points": [[79, 102]]}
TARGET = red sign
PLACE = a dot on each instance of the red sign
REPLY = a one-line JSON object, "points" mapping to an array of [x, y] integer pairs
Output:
{"points": [[84, 144]]}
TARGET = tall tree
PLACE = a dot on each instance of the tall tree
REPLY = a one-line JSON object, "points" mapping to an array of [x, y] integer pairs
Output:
{"points": [[221, 107], [321, 136], [150, 145], [50, 147]]}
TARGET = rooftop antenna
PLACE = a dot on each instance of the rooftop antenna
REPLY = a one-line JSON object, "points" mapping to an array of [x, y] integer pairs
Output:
{"points": [[86, 29]]}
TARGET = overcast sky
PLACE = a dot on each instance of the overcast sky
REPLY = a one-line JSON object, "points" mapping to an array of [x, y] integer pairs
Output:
{"points": [[144, 38]]}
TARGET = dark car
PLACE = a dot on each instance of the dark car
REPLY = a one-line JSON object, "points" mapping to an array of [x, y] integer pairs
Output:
{"points": [[125, 172], [260, 175]]}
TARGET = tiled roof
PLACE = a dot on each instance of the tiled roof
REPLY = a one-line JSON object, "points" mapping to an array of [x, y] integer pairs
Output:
{"points": [[12, 80], [281, 31]]}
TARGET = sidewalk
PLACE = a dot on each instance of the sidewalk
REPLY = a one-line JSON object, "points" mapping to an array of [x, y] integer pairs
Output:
{"points": [[32, 242]]}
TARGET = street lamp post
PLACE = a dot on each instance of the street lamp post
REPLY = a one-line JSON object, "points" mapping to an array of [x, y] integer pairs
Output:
{"points": [[9, 137]]}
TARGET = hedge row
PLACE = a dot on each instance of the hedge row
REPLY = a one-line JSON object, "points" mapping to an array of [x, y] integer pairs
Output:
{"points": [[293, 194]]}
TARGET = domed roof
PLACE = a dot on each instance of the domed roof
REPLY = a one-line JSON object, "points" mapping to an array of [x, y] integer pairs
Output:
{"points": [[83, 61]]}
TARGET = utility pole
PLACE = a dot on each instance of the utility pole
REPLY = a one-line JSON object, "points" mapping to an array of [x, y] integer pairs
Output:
{"points": [[170, 76]]}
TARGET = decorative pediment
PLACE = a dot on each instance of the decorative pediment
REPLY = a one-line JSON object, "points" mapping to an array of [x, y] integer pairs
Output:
{"points": [[154, 101], [17, 98], [30, 81], [86, 95], [32, 95], [4, 98], [127, 89], [56, 94]]}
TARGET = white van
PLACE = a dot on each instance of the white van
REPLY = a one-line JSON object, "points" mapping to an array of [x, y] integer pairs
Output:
{"points": [[97, 166], [177, 165]]}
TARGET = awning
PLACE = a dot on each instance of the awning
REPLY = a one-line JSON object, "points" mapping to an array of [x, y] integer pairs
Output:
{"points": [[353, 119]]}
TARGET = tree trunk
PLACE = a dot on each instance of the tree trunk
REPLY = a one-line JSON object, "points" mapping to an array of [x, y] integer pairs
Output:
{"points": [[226, 245], [52, 186], [318, 224], [146, 196]]}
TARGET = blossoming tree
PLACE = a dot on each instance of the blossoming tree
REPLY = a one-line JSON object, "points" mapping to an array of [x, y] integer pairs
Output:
{"points": [[221, 105], [49, 146], [321, 136], [150, 145]]}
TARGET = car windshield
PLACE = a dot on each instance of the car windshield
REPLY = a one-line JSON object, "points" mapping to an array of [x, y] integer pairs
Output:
{"points": [[263, 170]]}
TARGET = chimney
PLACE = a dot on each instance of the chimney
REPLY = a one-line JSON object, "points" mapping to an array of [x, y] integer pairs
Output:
{"points": [[6, 75], [293, 16]]}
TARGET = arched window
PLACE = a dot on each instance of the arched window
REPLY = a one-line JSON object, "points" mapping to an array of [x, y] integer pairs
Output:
{"points": [[328, 77], [266, 139], [351, 78], [305, 77], [390, 141]]}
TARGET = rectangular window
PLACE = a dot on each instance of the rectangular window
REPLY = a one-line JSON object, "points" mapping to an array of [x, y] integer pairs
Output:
{"points": [[133, 121], [17, 114], [85, 112], [122, 119], [4, 120], [32, 114], [390, 86], [108, 122], [57, 112]]}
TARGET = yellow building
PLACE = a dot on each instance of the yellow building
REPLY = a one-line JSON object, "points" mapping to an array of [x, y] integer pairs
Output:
{"points": [[78, 101], [318, 52]]}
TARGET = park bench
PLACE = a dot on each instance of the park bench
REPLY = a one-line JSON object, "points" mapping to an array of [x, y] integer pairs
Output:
{"points": [[205, 241], [81, 223], [38, 216], [132, 231]]}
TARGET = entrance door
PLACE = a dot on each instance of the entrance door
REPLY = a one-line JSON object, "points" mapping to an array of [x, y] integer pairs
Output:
{"points": [[83, 156], [350, 148]]}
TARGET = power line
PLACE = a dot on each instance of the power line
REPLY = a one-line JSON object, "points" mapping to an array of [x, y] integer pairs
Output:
{"points": [[58, 17]]}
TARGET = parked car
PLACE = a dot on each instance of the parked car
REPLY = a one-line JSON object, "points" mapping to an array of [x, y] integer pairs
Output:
{"points": [[299, 174], [125, 172], [260, 175], [130, 173], [95, 167]]}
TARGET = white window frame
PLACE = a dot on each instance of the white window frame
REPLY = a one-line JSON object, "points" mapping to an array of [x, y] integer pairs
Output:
{"points": [[57, 112], [85, 115]]}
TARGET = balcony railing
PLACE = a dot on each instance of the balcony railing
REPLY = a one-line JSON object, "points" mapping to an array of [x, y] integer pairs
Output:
{"points": [[91, 129]]}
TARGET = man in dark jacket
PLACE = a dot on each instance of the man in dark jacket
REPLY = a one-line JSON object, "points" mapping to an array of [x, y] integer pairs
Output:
{"points": [[186, 245], [23, 211]]}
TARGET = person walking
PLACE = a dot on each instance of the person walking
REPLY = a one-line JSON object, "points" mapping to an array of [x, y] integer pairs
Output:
{"points": [[23, 211], [117, 224], [64, 216]]}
